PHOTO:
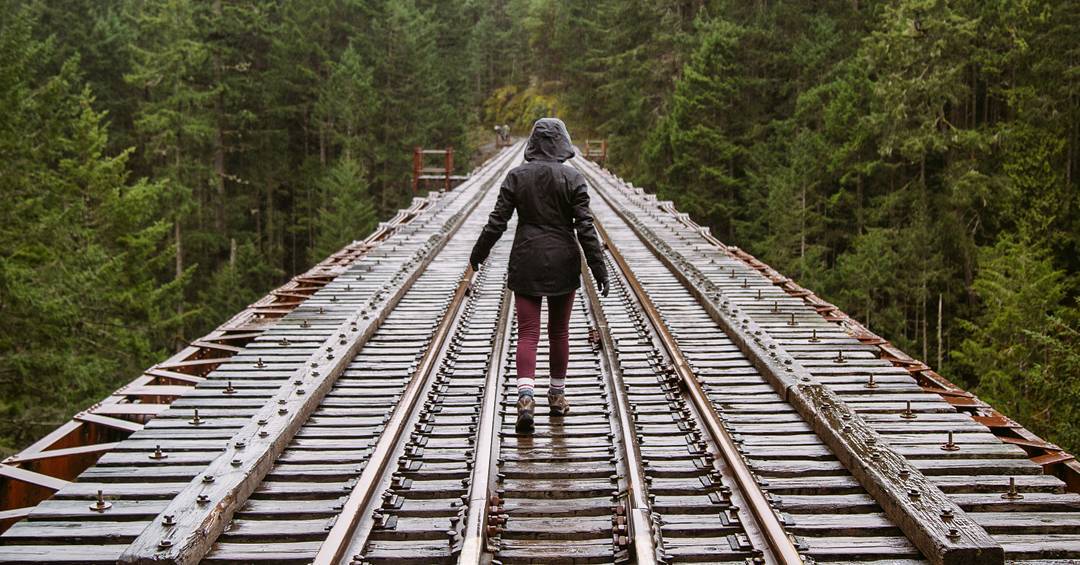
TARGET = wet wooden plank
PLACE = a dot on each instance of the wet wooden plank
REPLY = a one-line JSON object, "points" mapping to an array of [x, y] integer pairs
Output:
{"points": [[69, 531], [234, 475], [285, 552], [1041, 546], [920, 518], [1028, 522], [833, 547], [60, 554]]}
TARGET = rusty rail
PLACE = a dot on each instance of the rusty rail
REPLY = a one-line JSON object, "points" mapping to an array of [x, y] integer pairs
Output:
{"points": [[1052, 458], [915, 504], [780, 547], [487, 448], [337, 542], [641, 516]]}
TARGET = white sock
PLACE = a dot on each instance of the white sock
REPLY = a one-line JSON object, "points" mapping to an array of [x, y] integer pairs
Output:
{"points": [[526, 385]]}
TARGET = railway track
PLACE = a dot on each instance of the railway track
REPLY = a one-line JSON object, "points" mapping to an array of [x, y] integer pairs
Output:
{"points": [[715, 418], [995, 484]]}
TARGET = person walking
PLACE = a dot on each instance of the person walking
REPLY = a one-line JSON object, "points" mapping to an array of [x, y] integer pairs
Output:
{"points": [[552, 202]]}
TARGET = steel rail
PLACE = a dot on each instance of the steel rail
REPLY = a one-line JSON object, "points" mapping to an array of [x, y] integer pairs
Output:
{"points": [[191, 530], [644, 543], [487, 449], [1052, 459], [780, 548], [907, 496], [340, 537], [353, 510], [93, 432]]}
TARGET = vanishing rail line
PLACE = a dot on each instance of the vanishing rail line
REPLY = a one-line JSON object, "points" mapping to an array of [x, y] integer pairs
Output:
{"points": [[715, 418], [839, 416]]}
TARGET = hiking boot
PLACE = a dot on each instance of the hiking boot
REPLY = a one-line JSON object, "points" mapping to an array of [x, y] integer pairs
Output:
{"points": [[558, 404], [525, 406]]}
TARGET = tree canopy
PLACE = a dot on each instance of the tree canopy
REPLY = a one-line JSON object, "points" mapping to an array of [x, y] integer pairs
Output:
{"points": [[167, 162]]}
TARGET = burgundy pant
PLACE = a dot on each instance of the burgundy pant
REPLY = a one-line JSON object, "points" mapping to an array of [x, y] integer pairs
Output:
{"points": [[558, 329]]}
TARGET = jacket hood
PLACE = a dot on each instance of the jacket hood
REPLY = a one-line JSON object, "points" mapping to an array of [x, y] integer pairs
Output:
{"points": [[549, 141]]}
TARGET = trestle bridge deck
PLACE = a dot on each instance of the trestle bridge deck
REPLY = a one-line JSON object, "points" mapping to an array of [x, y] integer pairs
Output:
{"points": [[720, 413]]}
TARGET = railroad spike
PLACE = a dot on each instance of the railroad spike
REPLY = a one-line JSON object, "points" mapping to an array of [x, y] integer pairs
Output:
{"points": [[950, 445], [100, 505], [1013, 493]]}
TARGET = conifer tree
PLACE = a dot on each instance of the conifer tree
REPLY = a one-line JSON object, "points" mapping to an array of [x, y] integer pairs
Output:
{"points": [[83, 246], [175, 119]]}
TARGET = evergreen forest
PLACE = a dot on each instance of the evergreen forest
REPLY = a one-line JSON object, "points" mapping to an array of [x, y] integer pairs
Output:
{"points": [[164, 163]]}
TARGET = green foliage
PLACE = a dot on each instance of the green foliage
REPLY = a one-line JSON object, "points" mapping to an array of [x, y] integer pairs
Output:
{"points": [[519, 108], [234, 285], [696, 146], [82, 308], [1016, 345], [890, 155], [887, 154], [1056, 378], [1019, 288], [347, 212], [263, 134]]}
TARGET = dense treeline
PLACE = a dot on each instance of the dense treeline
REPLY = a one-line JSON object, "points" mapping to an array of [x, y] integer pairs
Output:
{"points": [[913, 161], [167, 162]]}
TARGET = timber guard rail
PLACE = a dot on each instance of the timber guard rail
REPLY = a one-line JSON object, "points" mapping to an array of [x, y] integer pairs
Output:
{"points": [[46, 466]]}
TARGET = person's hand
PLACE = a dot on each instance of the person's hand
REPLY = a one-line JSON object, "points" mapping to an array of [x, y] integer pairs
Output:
{"points": [[476, 258], [602, 286]]}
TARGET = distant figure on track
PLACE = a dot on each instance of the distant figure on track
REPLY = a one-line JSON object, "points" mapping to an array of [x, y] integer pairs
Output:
{"points": [[552, 201]]}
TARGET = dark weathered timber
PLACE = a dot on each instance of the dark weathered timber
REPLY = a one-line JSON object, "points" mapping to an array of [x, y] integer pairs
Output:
{"points": [[337, 540], [780, 546], [197, 524], [231, 477], [910, 499], [862, 450]]}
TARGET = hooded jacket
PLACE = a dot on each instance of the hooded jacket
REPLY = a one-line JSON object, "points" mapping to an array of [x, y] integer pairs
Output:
{"points": [[552, 202]]}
